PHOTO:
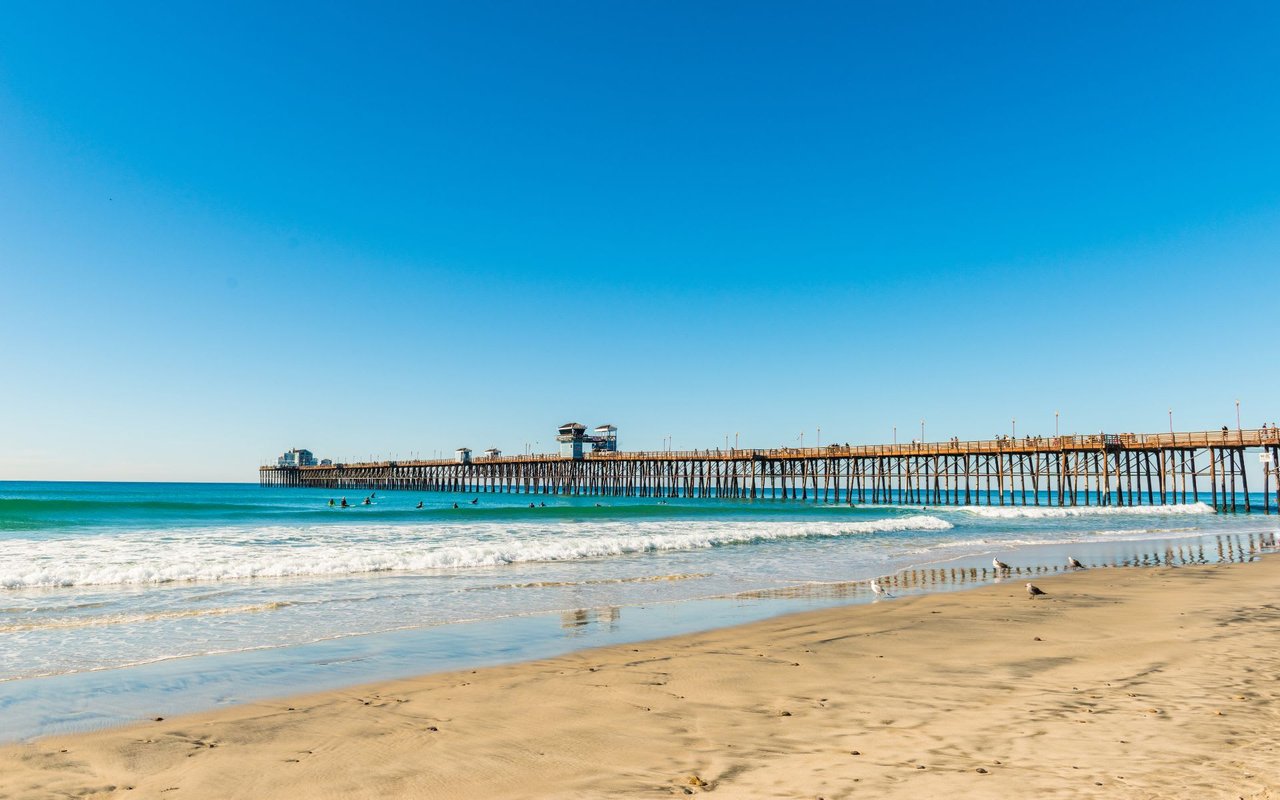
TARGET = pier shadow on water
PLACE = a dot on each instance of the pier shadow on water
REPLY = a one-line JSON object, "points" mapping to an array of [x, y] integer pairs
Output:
{"points": [[1039, 561]]}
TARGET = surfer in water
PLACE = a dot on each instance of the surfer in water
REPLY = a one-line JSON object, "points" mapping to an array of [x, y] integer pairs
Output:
{"points": [[368, 501], [419, 504], [344, 503], [331, 503]]}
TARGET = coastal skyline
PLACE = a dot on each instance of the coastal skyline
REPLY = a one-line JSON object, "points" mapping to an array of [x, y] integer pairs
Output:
{"points": [[226, 234]]}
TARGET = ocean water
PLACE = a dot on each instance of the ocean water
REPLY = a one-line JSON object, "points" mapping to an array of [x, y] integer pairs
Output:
{"points": [[112, 577]]}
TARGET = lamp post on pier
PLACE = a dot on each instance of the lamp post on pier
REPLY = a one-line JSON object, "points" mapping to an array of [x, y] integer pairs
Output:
{"points": [[1014, 423], [1237, 416], [895, 434], [735, 441], [922, 431], [1171, 422], [819, 436], [1055, 424]]}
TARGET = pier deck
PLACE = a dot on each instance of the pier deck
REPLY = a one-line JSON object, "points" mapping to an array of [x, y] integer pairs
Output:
{"points": [[1125, 469]]}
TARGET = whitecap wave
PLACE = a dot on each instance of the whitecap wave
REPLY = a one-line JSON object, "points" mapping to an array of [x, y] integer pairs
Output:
{"points": [[238, 554], [1043, 512]]}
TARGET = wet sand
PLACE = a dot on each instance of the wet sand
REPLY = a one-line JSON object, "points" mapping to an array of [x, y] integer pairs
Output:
{"points": [[1158, 682]]}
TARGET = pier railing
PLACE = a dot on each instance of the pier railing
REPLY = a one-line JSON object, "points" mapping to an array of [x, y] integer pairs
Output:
{"points": [[1232, 437], [1247, 437]]}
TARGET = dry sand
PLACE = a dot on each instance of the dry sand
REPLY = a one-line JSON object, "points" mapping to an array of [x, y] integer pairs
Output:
{"points": [[1121, 683]]}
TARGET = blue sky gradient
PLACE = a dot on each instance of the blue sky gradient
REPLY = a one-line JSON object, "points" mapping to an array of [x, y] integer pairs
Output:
{"points": [[228, 231]]}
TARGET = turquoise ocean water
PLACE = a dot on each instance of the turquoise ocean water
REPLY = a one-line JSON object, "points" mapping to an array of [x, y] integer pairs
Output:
{"points": [[120, 599]]}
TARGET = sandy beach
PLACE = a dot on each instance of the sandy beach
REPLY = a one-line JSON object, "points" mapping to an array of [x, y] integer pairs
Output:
{"points": [[1156, 682]]}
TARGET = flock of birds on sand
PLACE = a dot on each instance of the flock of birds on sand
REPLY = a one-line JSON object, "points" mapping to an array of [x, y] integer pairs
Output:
{"points": [[1032, 591]]}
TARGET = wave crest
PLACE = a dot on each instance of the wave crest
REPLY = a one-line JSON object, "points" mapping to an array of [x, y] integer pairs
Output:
{"points": [[239, 554], [1041, 512]]}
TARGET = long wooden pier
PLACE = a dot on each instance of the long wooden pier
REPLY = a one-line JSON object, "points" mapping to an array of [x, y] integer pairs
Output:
{"points": [[1125, 469]]}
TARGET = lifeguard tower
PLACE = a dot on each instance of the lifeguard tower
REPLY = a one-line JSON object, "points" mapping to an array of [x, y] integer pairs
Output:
{"points": [[573, 439], [462, 455]]}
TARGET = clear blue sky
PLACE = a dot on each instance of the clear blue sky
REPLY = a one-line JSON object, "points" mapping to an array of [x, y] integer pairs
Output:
{"points": [[231, 229]]}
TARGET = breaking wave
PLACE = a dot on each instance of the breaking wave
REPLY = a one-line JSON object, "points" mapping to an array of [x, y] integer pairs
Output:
{"points": [[218, 554], [1041, 512]]}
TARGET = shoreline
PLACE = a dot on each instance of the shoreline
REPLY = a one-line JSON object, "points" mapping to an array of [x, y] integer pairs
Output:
{"points": [[103, 699], [1123, 682]]}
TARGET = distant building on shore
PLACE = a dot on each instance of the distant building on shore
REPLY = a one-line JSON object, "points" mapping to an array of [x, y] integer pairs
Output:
{"points": [[296, 458]]}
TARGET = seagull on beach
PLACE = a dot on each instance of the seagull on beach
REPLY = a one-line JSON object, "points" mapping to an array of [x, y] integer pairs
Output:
{"points": [[879, 590], [1034, 591], [1073, 563], [998, 564]]}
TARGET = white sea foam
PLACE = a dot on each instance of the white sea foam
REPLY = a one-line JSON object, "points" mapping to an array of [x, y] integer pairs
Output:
{"points": [[216, 554], [1135, 532], [1052, 512], [136, 618], [1006, 542]]}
